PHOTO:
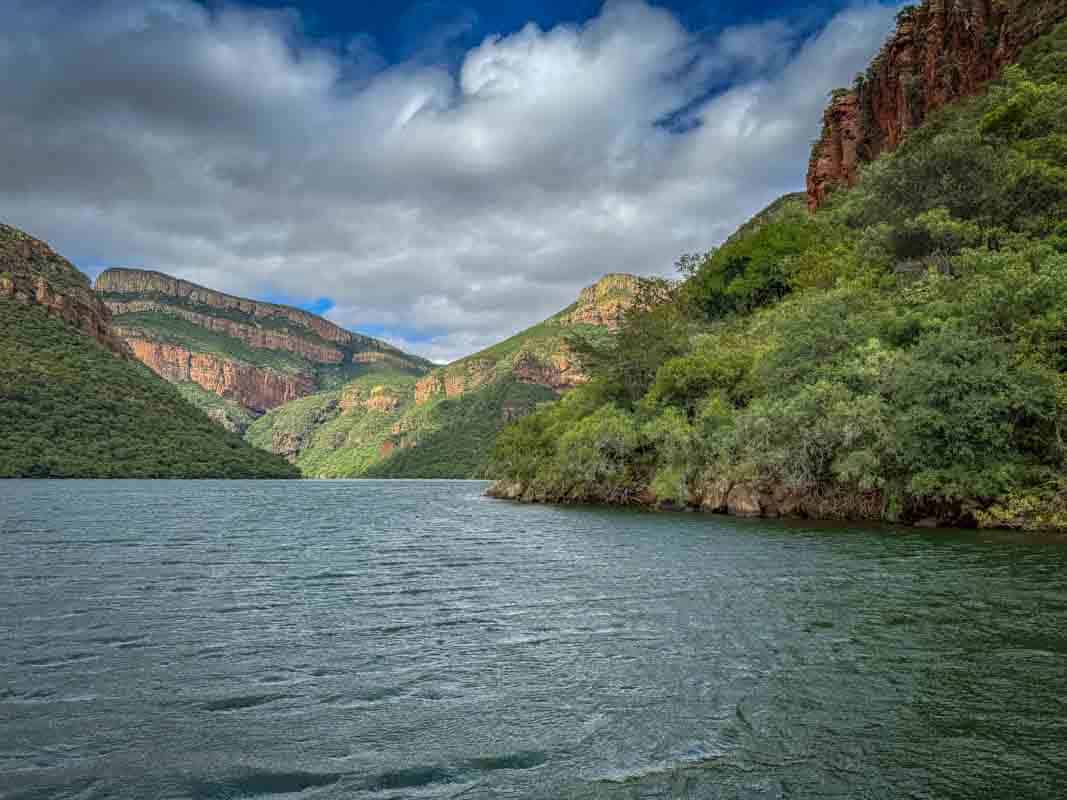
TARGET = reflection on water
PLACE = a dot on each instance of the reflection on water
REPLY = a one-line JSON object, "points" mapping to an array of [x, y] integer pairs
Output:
{"points": [[414, 639]]}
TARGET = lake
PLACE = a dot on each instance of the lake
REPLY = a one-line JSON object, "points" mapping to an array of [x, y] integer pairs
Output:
{"points": [[376, 639]]}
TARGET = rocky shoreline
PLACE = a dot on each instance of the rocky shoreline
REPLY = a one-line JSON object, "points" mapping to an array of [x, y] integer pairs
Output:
{"points": [[754, 499]]}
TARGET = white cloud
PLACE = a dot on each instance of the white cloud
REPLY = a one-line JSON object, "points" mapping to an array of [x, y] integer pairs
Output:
{"points": [[452, 209]]}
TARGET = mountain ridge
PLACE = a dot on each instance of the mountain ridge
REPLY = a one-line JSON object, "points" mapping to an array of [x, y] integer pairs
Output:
{"points": [[76, 402], [443, 423], [254, 355]]}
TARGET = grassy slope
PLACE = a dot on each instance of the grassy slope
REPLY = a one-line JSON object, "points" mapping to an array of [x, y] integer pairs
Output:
{"points": [[451, 437], [72, 409]]}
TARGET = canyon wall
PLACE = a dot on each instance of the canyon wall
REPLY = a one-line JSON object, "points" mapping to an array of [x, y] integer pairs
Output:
{"points": [[33, 274], [180, 354], [941, 51], [255, 388], [253, 336], [606, 301], [147, 282]]}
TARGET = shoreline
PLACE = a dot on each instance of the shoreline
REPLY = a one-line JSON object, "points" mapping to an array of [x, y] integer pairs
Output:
{"points": [[757, 500]]}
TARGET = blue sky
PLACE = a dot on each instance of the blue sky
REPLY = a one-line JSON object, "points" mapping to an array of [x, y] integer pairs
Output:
{"points": [[441, 174], [402, 30]]}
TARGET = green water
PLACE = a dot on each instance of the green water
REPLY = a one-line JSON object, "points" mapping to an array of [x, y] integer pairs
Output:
{"points": [[415, 639]]}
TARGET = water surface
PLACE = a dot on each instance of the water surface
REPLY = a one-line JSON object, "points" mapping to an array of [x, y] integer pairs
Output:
{"points": [[415, 639]]}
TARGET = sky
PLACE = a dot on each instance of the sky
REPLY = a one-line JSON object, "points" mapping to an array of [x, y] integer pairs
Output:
{"points": [[439, 174]]}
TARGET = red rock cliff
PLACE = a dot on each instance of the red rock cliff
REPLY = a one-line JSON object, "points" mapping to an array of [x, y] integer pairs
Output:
{"points": [[942, 51], [265, 338], [147, 282], [34, 274], [253, 387]]}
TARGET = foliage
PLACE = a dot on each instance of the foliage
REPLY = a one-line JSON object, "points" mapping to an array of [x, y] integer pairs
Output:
{"points": [[750, 271], [72, 409], [908, 340], [443, 438], [652, 331], [453, 437], [232, 415]]}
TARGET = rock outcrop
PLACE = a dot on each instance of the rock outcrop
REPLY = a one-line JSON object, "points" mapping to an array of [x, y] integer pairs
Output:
{"points": [[256, 388], [141, 301], [252, 335], [559, 371], [762, 499], [455, 380], [540, 360], [606, 301], [379, 399], [941, 51], [33, 274], [150, 284]]}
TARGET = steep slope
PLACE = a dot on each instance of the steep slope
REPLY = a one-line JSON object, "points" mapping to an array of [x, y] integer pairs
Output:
{"points": [[74, 401], [252, 356], [942, 51], [441, 425], [899, 355]]}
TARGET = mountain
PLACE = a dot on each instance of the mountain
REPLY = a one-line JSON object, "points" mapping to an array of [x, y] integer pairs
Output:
{"points": [[893, 350], [441, 425], [942, 51], [233, 357], [75, 402]]}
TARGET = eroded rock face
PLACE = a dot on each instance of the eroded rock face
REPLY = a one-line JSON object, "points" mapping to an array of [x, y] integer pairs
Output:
{"points": [[560, 371], [148, 282], [254, 336], [455, 380], [256, 388], [941, 51], [606, 301], [378, 399], [33, 274], [262, 326], [603, 304]]}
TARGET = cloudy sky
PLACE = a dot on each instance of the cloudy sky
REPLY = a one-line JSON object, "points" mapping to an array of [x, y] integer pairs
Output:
{"points": [[439, 173]]}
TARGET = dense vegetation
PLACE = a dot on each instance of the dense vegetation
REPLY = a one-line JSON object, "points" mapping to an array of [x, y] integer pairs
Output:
{"points": [[453, 437], [908, 343], [232, 416], [443, 438], [73, 409]]}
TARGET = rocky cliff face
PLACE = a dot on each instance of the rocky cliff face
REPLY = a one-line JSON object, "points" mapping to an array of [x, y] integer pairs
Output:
{"points": [[941, 51], [146, 283], [255, 388], [560, 371], [544, 360], [606, 301], [264, 338], [176, 354], [33, 274], [378, 399], [455, 380]]}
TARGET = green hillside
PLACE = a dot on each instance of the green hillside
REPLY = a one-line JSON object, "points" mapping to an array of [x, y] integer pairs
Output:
{"points": [[259, 344], [72, 409], [441, 425], [901, 354]]}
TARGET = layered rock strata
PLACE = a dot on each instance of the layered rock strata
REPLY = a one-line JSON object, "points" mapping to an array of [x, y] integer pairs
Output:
{"points": [[942, 51], [255, 388], [32, 273]]}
